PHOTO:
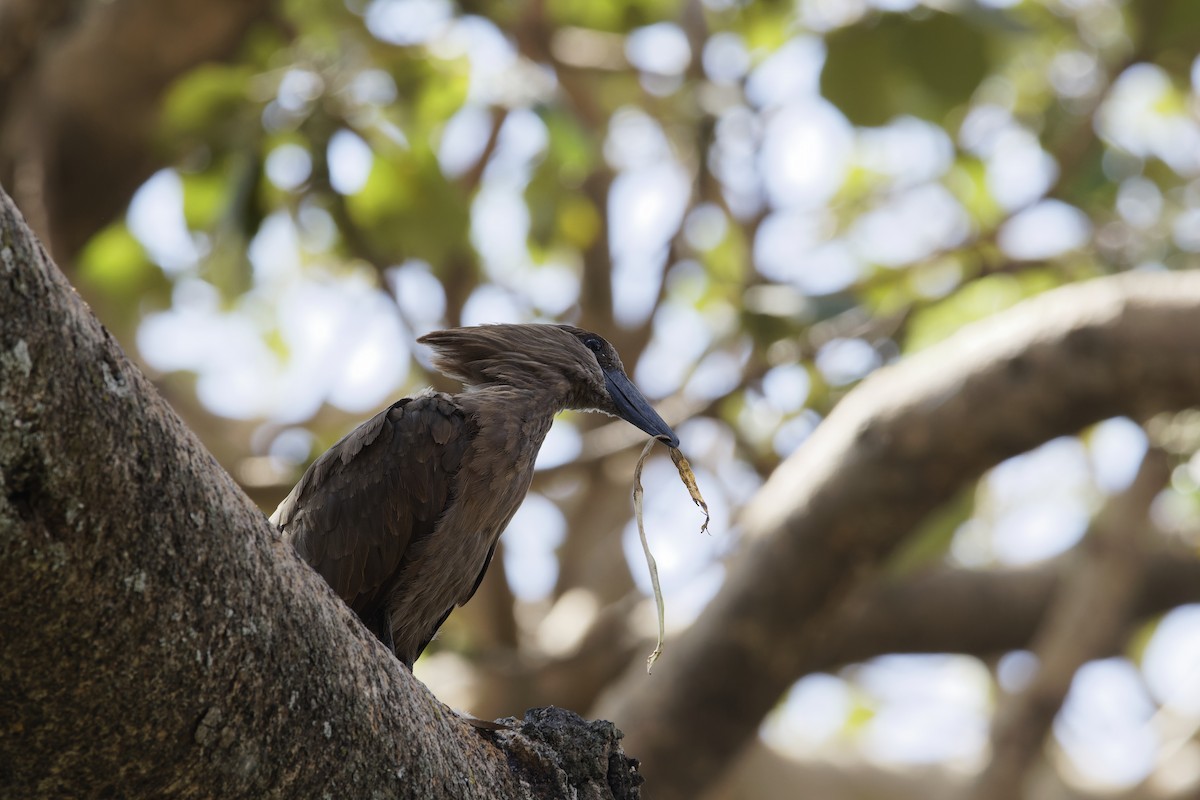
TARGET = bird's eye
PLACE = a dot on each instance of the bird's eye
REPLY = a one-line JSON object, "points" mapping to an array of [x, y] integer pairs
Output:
{"points": [[594, 344]]}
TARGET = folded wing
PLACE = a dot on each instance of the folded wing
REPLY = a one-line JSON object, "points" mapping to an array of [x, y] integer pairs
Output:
{"points": [[374, 495]]}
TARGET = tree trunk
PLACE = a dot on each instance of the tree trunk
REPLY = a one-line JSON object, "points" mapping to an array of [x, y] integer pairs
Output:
{"points": [[159, 639], [82, 87]]}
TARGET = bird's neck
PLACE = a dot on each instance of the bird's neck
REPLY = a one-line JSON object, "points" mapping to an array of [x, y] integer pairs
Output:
{"points": [[526, 387], [526, 399], [513, 423]]}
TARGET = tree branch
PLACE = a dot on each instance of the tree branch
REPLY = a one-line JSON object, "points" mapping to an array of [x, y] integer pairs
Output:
{"points": [[945, 610], [765, 774], [981, 612], [159, 638], [1086, 620], [81, 136], [898, 446]]}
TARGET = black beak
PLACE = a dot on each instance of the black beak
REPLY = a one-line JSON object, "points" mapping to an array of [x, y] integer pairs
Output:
{"points": [[635, 408]]}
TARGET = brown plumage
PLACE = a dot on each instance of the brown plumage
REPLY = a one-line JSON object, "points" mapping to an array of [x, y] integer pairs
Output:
{"points": [[402, 516]]}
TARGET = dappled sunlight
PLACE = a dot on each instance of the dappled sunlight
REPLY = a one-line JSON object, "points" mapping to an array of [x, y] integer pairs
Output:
{"points": [[899, 710], [1046, 230], [530, 542], [1030, 507], [1103, 726]]}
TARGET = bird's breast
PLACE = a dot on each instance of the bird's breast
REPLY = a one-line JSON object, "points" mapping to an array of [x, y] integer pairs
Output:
{"points": [[494, 478]]}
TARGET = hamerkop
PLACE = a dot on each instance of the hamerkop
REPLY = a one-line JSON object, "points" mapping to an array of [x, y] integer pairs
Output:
{"points": [[402, 516]]}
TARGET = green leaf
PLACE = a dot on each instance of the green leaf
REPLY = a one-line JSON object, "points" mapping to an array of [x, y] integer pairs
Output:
{"points": [[558, 212], [205, 195], [614, 16], [967, 179], [578, 222], [765, 27], [974, 301], [1168, 30], [729, 260], [407, 208], [205, 99], [931, 540], [114, 265], [895, 64], [573, 150], [443, 93], [1137, 643]]}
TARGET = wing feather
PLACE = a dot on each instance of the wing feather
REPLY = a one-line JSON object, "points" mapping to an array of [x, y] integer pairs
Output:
{"points": [[363, 504]]}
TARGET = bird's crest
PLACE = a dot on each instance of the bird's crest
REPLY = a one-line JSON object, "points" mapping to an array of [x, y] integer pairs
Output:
{"points": [[515, 355]]}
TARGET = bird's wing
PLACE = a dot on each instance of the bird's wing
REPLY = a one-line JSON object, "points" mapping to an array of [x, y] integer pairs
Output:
{"points": [[371, 496]]}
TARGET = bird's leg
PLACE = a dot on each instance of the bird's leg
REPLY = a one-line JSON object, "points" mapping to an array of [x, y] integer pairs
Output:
{"points": [[485, 725], [380, 624], [432, 633], [386, 638]]}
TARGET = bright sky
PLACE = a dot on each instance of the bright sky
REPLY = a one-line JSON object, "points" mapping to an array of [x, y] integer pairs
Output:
{"points": [[787, 152]]}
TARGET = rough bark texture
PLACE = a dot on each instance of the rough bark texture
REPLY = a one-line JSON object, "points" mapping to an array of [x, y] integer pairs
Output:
{"points": [[159, 640], [896, 448]]}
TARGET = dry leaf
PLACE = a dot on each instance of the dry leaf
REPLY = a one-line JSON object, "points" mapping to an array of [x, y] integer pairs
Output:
{"points": [[658, 598], [689, 480]]}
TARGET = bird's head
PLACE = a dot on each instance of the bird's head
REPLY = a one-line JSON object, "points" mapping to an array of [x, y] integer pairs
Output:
{"points": [[572, 367]]}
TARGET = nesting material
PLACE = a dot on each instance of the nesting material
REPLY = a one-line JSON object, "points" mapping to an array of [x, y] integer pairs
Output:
{"points": [[689, 480]]}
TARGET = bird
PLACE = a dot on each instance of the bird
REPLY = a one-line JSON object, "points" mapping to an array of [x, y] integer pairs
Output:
{"points": [[401, 517]]}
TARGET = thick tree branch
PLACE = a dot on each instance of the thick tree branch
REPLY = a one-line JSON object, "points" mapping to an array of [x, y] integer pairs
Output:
{"points": [[945, 610], [23, 28], [890, 453], [161, 641], [764, 774], [982, 613]]}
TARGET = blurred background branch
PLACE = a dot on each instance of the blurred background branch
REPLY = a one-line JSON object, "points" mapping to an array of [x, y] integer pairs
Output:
{"points": [[1085, 621]]}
